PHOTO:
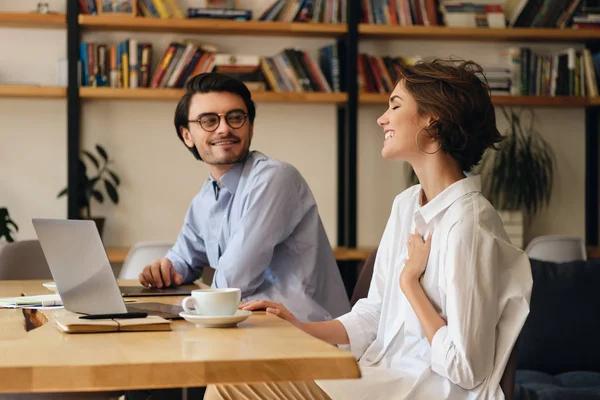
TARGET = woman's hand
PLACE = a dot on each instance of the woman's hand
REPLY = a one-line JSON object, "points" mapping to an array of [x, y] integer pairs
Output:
{"points": [[418, 255], [273, 308]]}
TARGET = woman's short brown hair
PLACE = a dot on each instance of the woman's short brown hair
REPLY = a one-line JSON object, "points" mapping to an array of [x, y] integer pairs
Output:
{"points": [[459, 103]]}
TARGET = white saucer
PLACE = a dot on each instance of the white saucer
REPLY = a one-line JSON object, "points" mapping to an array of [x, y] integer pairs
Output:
{"points": [[51, 286], [203, 321]]}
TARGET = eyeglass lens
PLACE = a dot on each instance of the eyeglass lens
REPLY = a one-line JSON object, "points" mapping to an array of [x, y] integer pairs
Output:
{"points": [[235, 119]]}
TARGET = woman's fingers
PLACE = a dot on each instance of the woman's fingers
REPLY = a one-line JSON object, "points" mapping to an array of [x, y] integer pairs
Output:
{"points": [[259, 305]]}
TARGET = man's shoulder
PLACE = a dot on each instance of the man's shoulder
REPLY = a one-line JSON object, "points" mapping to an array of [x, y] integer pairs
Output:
{"points": [[269, 167]]}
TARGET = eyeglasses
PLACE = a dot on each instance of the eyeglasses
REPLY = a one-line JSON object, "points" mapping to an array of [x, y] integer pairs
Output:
{"points": [[210, 121]]}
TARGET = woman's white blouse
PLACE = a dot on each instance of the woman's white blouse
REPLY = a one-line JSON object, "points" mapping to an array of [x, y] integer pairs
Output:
{"points": [[476, 279]]}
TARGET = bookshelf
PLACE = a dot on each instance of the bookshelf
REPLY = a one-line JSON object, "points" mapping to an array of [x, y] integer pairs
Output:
{"points": [[515, 101], [373, 31], [347, 103], [175, 94], [32, 20], [349, 34], [46, 92], [213, 27], [118, 254]]}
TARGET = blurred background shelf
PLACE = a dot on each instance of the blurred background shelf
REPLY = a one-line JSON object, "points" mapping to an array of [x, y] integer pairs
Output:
{"points": [[32, 20], [118, 254], [478, 34], [175, 94], [200, 26], [533, 101], [32, 91]]}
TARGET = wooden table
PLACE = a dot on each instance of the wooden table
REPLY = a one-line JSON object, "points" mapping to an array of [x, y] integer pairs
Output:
{"points": [[263, 348]]}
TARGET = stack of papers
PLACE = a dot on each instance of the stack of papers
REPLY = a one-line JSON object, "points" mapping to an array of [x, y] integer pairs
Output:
{"points": [[37, 302]]}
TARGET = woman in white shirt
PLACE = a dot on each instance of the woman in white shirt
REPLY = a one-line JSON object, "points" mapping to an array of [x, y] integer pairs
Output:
{"points": [[449, 293]]}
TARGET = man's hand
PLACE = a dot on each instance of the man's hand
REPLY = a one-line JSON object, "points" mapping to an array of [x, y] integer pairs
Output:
{"points": [[160, 273]]}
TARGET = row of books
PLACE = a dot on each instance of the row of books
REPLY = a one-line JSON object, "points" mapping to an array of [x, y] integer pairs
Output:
{"points": [[482, 13], [473, 15], [569, 72], [400, 12], [520, 72], [324, 11], [454, 13], [293, 70], [541, 13], [128, 64], [146, 8]]}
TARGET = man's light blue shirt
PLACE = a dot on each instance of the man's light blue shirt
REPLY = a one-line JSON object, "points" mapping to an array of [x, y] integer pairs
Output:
{"points": [[262, 233]]}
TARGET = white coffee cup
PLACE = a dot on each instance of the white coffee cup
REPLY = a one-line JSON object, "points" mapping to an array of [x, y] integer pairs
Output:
{"points": [[212, 302]]}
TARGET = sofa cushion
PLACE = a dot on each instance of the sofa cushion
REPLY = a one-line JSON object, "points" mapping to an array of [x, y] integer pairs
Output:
{"points": [[576, 385], [561, 331]]}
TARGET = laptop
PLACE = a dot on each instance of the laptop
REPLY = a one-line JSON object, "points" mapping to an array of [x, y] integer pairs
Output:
{"points": [[82, 272]]}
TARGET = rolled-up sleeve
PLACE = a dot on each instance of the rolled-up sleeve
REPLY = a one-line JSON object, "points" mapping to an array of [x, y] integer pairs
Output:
{"points": [[463, 350], [362, 322]]}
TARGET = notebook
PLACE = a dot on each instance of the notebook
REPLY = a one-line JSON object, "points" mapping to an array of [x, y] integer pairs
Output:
{"points": [[71, 323]]}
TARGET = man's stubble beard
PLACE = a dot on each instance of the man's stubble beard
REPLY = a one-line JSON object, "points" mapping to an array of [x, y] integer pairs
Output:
{"points": [[236, 159]]}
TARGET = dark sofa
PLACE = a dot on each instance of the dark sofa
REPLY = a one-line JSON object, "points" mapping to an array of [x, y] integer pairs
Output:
{"points": [[559, 347], [558, 352]]}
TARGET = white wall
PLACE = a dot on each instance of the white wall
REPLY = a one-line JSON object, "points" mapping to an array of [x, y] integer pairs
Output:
{"points": [[160, 176]]}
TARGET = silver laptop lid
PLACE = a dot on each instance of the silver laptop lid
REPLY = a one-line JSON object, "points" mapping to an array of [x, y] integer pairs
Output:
{"points": [[79, 266]]}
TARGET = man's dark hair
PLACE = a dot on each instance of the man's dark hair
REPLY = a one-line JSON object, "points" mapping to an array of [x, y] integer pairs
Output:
{"points": [[206, 83], [456, 95]]}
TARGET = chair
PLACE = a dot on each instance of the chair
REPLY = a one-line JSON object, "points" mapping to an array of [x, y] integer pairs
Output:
{"points": [[22, 260], [140, 255], [361, 290], [557, 249]]}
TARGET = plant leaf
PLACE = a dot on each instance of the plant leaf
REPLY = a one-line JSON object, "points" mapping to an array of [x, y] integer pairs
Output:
{"points": [[92, 158], [115, 177], [89, 189], [98, 196], [11, 222], [62, 192], [112, 191], [102, 152]]}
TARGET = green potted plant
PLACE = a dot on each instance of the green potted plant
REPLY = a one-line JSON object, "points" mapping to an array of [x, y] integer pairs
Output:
{"points": [[519, 179], [90, 187], [7, 225]]}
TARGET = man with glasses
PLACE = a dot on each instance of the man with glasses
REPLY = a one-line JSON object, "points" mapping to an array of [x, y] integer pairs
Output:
{"points": [[255, 219]]}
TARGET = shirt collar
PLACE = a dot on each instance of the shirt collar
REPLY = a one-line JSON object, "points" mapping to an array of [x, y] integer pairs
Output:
{"points": [[448, 196], [231, 178]]}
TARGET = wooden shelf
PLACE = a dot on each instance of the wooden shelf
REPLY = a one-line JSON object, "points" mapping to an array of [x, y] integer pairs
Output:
{"points": [[175, 94], [32, 91], [211, 26], [541, 101], [32, 20], [531, 101], [117, 255], [478, 34]]}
